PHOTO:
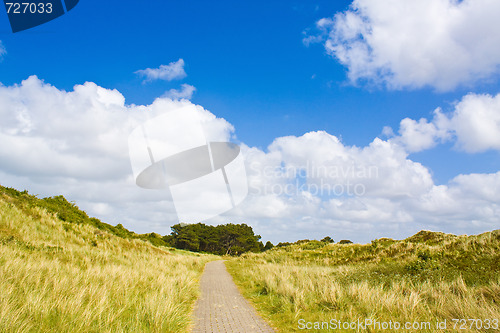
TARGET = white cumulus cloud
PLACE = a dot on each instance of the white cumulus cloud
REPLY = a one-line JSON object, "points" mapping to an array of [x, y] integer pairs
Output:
{"points": [[186, 92], [415, 43], [474, 125], [172, 71], [75, 143], [316, 184]]}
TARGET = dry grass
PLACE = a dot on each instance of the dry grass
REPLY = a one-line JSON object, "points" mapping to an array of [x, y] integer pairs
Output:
{"points": [[62, 277], [416, 280]]}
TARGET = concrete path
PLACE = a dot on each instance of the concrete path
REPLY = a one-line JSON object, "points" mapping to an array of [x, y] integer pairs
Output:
{"points": [[221, 307]]}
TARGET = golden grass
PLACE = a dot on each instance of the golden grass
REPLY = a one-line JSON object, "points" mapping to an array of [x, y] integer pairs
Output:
{"points": [[61, 277], [359, 282]]}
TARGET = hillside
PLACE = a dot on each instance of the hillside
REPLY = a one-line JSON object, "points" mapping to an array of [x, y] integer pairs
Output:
{"points": [[62, 271], [68, 212], [428, 277]]}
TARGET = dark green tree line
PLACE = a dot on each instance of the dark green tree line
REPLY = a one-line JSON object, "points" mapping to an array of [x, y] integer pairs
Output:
{"points": [[231, 239]]}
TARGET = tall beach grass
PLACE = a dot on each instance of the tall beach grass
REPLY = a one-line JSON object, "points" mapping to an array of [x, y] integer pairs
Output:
{"points": [[429, 278], [56, 276]]}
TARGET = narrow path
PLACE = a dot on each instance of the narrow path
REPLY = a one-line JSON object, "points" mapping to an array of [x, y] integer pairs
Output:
{"points": [[221, 307]]}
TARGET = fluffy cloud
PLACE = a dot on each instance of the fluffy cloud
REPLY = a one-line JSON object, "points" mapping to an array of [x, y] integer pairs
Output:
{"points": [[172, 71], [81, 133], [314, 184], [186, 92], [415, 43], [420, 135], [474, 124], [467, 201], [75, 143], [331, 169], [317, 171], [49, 132]]}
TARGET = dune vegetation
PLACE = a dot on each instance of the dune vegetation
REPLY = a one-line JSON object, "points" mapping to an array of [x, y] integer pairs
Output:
{"points": [[420, 281], [61, 271]]}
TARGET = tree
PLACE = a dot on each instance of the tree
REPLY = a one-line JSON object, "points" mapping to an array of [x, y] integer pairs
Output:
{"points": [[188, 240], [268, 246], [328, 239], [238, 238], [232, 239]]}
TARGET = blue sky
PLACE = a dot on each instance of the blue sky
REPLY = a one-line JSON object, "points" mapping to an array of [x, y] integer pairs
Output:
{"points": [[251, 65]]}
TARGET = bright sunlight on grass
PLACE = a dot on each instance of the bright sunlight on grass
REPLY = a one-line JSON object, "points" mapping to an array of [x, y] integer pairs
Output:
{"points": [[428, 277], [58, 276]]}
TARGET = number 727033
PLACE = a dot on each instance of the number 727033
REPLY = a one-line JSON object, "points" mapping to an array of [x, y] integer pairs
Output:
{"points": [[28, 8]]}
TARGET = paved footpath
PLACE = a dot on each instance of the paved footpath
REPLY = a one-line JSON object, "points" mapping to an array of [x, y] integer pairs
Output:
{"points": [[221, 307]]}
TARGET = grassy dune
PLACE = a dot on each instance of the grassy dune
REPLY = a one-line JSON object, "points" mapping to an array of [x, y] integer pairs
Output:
{"points": [[428, 277], [58, 276]]}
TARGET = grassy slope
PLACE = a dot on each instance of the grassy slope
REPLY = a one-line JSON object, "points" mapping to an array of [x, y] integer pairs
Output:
{"points": [[61, 276], [69, 212], [427, 277]]}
